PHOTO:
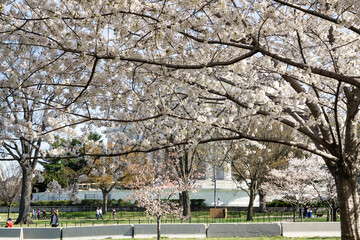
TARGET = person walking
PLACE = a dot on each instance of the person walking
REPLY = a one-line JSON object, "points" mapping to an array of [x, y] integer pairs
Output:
{"points": [[100, 214]]}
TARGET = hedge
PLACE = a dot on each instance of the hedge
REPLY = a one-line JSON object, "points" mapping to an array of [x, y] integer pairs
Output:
{"points": [[111, 203]]}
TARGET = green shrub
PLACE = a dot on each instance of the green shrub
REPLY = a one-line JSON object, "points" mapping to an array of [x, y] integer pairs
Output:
{"points": [[121, 203], [279, 203], [111, 203], [14, 204], [90, 203], [197, 202]]}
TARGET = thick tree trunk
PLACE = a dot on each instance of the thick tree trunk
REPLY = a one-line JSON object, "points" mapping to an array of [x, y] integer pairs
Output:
{"points": [[250, 208], [158, 228], [301, 214], [105, 201], [294, 214], [186, 204], [334, 212], [9, 211], [262, 202], [180, 200], [349, 206], [24, 212], [329, 214]]}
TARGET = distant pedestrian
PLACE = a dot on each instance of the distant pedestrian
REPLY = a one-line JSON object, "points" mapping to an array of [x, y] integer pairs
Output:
{"points": [[54, 220], [305, 211], [34, 213], [38, 214], [97, 213], [100, 214], [9, 223], [218, 203], [113, 213]]}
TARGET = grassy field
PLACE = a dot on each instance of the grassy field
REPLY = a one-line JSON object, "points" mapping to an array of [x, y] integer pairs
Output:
{"points": [[88, 218]]}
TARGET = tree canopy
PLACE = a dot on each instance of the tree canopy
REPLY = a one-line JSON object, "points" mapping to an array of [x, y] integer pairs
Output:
{"points": [[214, 64]]}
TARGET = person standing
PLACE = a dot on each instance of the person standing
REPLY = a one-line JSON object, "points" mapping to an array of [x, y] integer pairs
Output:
{"points": [[54, 220], [38, 214], [113, 213], [97, 213], [34, 214]]}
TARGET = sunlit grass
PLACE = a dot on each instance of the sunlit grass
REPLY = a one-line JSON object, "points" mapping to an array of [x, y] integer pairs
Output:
{"points": [[254, 238], [126, 217]]}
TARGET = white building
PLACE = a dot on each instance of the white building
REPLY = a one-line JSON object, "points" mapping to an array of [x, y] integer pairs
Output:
{"points": [[226, 189]]}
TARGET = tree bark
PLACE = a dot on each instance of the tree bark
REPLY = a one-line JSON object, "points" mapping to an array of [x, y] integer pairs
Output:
{"points": [[294, 214], [186, 204], [349, 206], [158, 227], [9, 211], [24, 212], [262, 200], [105, 201], [250, 208], [334, 208]]}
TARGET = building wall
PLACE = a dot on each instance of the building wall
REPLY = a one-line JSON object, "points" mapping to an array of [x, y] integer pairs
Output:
{"points": [[226, 190]]}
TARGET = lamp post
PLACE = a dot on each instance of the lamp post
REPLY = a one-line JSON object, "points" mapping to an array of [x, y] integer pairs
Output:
{"points": [[214, 181]]}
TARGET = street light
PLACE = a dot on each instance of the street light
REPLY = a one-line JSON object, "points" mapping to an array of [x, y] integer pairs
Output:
{"points": [[214, 181]]}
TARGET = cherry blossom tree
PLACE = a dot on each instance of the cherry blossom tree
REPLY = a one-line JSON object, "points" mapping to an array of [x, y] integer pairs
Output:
{"points": [[107, 173], [10, 185], [186, 161], [154, 191], [252, 161], [218, 64], [303, 181], [24, 111]]}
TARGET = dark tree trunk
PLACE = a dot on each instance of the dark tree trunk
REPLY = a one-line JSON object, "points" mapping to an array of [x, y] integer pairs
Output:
{"points": [[250, 208], [158, 227], [24, 213], [105, 201], [348, 196], [334, 212], [294, 214], [9, 210], [186, 204], [301, 215], [329, 214], [180, 200]]}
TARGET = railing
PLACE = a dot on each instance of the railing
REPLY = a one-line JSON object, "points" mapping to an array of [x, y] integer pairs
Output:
{"points": [[233, 217]]}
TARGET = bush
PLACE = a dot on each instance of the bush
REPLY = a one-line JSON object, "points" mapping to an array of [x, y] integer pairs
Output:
{"points": [[279, 203], [122, 203], [90, 203], [14, 204], [111, 203], [197, 202], [282, 203]]}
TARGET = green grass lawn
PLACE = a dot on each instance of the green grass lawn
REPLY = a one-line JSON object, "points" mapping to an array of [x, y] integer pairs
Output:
{"points": [[88, 218], [255, 238]]}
